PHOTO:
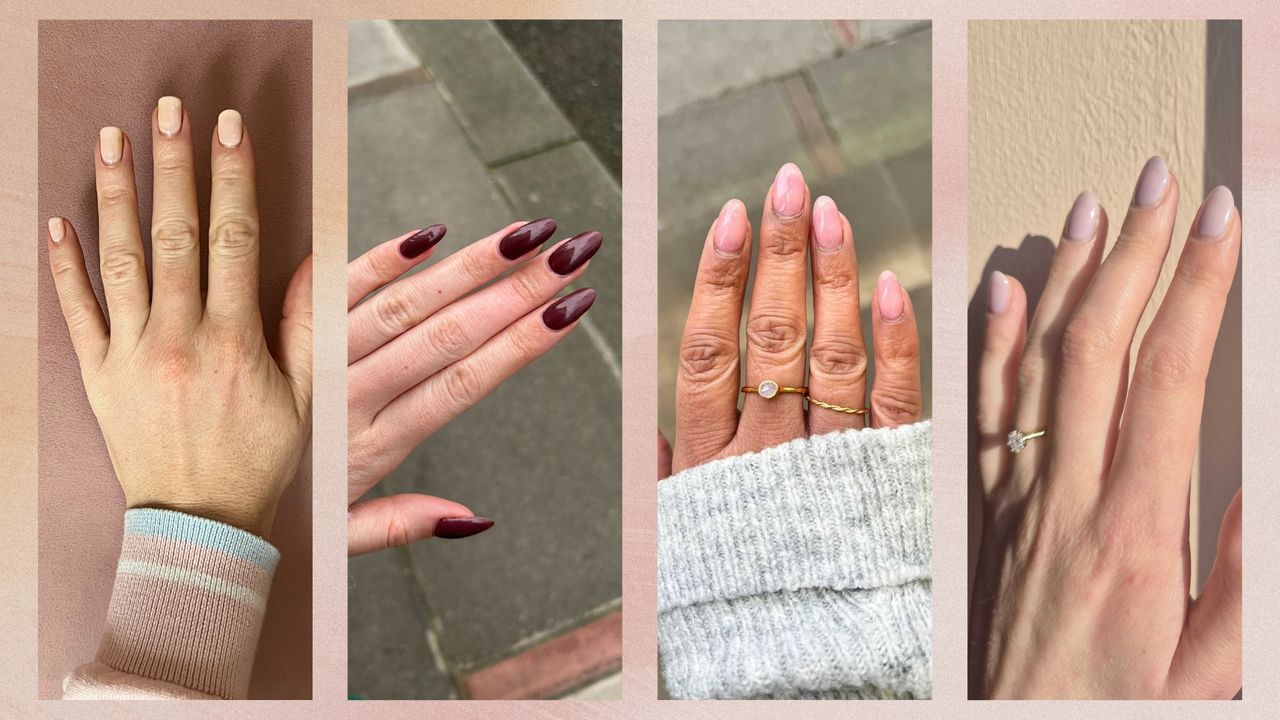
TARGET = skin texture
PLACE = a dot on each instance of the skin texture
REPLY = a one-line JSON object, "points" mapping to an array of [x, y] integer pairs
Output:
{"points": [[423, 348], [794, 233], [1082, 588], [198, 414]]}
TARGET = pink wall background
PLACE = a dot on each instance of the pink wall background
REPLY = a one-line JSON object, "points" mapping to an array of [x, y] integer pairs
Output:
{"points": [[97, 73]]}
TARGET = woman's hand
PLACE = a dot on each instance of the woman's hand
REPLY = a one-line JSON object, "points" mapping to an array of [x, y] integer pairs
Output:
{"points": [[1083, 579], [708, 423], [197, 414], [426, 347]]}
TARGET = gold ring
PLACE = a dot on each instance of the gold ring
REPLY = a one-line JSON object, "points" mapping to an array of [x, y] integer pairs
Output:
{"points": [[770, 389], [838, 408], [1017, 440]]}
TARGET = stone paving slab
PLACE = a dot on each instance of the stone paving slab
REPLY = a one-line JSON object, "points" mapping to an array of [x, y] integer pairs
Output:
{"points": [[375, 50], [871, 32], [703, 59], [504, 110]]}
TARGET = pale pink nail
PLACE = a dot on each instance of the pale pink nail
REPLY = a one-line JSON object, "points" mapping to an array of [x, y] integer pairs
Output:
{"points": [[111, 142], [230, 129], [731, 228], [57, 230], [1082, 223], [169, 115], [998, 295], [889, 295], [788, 191], [1215, 214], [1152, 183], [828, 229]]}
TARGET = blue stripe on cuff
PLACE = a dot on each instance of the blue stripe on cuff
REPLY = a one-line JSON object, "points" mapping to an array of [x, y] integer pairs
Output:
{"points": [[204, 532]]}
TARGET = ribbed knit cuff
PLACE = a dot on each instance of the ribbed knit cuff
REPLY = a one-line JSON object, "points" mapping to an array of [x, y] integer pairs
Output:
{"points": [[800, 571], [187, 606]]}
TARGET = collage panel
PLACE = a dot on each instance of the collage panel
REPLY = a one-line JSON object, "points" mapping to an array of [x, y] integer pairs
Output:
{"points": [[795, 297], [1105, 349], [484, 163]]}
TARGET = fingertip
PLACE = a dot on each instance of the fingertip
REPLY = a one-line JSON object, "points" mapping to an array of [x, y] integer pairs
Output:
{"points": [[57, 230]]}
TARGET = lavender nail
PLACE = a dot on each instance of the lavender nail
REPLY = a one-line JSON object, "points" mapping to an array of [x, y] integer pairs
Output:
{"points": [[1082, 223], [1152, 183], [1215, 214]]}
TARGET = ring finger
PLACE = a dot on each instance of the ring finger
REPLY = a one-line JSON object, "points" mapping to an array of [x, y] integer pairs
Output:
{"points": [[838, 357]]}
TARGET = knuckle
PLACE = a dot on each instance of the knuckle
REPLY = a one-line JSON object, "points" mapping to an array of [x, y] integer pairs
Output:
{"points": [[1204, 276], [839, 358], [174, 237], [1032, 368], [475, 265], [527, 288], [171, 166], [463, 385], [835, 278], [785, 243], [895, 400], [707, 356], [395, 312], [1085, 342], [895, 349], [1165, 365], [397, 530], [775, 334], [114, 196], [122, 266], [525, 344], [727, 279], [235, 237], [446, 336]]}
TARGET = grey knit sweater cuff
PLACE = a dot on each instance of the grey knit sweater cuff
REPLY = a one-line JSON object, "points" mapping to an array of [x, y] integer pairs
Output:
{"points": [[800, 571]]}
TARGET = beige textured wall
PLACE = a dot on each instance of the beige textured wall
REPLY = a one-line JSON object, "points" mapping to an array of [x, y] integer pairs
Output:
{"points": [[1057, 107]]}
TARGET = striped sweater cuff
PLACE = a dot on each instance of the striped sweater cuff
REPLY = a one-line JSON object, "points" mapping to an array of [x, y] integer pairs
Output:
{"points": [[187, 605]]}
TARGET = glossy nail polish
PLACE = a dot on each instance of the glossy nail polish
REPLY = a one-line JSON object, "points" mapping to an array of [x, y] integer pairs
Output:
{"points": [[731, 228], [169, 115], [889, 295], [57, 230], [453, 528], [828, 229], [1082, 223], [230, 129], [788, 191], [1152, 183], [1215, 214], [563, 312], [998, 293], [111, 144], [526, 237], [423, 240], [574, 252]]}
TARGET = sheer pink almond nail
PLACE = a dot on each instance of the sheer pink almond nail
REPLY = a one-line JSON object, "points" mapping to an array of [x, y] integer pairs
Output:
{"points": [[169, 115], [1152, 183], [57, 230], [1082, 223], [998, 293], [889, 295], [731, 228], [788, 191], [828, 230], [230, 129], [1215, 213], [111, 144]]}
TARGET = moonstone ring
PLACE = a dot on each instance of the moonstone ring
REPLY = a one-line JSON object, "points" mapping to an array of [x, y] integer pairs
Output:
{"points": [[1017, 440], [770, 389]]}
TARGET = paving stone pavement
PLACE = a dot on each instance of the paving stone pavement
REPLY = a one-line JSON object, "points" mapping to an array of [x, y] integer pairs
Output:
{"points": [[850, 105], [468, 137]]}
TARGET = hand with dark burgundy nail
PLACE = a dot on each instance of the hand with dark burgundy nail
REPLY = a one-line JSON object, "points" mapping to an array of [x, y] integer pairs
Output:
{"points": [[423, 348], [709, 424], [198, 413]]}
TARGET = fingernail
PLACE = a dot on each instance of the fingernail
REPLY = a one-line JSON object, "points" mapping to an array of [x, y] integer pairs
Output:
{"points": [[1215, 214], [731, 228], [111, 141], [422, 241], [526, 237], [230, 129], [561, 313], [828, 230], [169, 115], [574, 252], [998, 295], [1082, 223], [889, 293], [1152, 183], [453, 528], [788, 191], [57, 230]]}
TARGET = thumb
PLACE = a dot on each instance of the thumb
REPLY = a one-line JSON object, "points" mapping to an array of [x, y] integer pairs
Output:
{"points": [[383, 522], [664, 457], [1207, 663], [295, 335]]}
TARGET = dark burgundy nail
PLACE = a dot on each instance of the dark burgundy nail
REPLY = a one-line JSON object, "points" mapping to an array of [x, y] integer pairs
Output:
{"points": [[575, 251], [422, 241], [452, 528], [564, 311], [526, 237]]}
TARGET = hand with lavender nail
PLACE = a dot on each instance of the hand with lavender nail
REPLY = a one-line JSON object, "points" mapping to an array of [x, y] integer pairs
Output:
{"points": [[1082, 588], [422, 349]]}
